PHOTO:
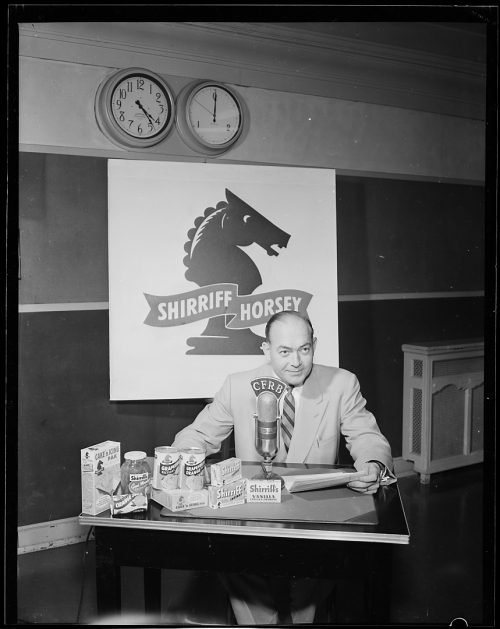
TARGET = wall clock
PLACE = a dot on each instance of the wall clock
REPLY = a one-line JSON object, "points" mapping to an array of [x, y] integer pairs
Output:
{"points": [[134, 108], [210, 117]]}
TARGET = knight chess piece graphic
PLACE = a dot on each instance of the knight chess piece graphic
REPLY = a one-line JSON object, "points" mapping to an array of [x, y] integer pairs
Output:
{"points": [[214, 256]]}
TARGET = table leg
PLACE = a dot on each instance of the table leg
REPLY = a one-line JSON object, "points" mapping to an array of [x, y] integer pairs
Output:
{"points": [[108, 577], [379, 585], [152, 591]]}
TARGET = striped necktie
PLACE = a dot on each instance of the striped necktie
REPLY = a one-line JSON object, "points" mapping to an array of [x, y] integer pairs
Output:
{"points": [[288, 418]]}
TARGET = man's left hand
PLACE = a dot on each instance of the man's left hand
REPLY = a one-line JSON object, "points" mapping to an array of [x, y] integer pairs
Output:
{"points": [[369, 482]]}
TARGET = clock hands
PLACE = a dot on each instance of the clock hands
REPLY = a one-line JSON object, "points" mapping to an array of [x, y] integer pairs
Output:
{"points": [[202, 105], [214, 96], [214, 111], [138, 103]]}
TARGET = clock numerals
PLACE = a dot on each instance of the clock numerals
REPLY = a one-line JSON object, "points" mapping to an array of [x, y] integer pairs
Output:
{"points": [[134, 107], [141, 107]]}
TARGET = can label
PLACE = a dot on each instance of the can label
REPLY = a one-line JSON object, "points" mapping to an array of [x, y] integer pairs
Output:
{"points": [[192, 468], [166, 468]]}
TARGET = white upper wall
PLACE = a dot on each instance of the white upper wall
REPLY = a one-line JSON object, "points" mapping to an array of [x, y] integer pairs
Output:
{"points": [[315, 97]]}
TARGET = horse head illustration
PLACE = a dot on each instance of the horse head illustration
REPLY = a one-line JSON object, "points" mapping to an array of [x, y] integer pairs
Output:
{"points": [[214, 256]]}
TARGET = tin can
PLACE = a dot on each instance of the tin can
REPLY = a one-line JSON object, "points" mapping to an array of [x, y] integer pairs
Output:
{"points": [[166, 468], [192, 468]]}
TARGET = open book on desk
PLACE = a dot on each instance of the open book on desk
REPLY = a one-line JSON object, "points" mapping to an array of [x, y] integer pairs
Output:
{"points": [[321, 480]]}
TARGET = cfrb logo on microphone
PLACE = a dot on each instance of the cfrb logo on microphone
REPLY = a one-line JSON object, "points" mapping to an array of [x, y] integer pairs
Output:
{"points": [[273, 385]]}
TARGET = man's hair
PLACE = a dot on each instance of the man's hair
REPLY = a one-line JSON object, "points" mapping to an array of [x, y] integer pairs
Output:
{"points": [[284, 314]]}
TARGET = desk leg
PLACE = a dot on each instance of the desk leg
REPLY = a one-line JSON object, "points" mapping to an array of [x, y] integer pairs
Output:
{"points": [[379, 585], [152, 591], [108, 578]]}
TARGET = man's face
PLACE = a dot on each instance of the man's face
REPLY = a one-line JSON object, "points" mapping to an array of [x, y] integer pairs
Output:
{"points": [[290, 350]]}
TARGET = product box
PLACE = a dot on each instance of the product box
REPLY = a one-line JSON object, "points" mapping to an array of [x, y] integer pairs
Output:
{"points": [[181, 499], [268, 491], [225, 472], [228, 495], [100, 470]]}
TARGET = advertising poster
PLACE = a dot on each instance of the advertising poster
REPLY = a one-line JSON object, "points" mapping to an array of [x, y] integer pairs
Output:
{"points": [[200, 257]]}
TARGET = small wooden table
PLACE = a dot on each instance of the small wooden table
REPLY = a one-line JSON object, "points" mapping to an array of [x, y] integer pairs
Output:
{"points": [[337, 551]]}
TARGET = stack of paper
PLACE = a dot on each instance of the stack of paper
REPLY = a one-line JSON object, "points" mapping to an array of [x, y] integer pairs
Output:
{"points": [[307, 482]]}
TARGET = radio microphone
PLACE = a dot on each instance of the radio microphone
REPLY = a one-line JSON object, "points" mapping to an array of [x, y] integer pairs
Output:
{"points": [[267, 440]]}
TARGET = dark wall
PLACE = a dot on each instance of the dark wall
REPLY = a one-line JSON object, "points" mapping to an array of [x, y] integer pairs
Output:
{"points": [[64, 406], [63, 206], [393, 236], [370, 337], [397, 236]]}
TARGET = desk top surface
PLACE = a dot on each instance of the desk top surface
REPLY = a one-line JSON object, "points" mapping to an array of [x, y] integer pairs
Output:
{"points": [[391, 528]]}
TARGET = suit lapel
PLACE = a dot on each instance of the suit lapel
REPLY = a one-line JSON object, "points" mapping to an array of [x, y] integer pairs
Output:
{"points": [[310, 413]]}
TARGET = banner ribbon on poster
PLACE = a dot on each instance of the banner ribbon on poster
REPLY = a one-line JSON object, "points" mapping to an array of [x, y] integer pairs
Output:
{"points": [[223, 299]]}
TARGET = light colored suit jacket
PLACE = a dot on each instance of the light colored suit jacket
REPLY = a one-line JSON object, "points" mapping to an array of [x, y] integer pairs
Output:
{"points": [[331, 404]]}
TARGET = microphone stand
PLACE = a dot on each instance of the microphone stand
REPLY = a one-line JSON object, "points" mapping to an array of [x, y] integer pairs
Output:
{"points": [[268, 448]]}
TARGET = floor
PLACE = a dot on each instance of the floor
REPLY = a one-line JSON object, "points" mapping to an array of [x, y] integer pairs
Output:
{"points": [[439, 576]]}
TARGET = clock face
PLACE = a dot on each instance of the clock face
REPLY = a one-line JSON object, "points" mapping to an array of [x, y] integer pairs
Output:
{"points": [[134, 108], [214, 115], [140, 106]]}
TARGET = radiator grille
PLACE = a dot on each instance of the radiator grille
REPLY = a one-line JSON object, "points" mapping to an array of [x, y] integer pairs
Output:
{"points": [[418, 368], [416, 437], [447, 423]]}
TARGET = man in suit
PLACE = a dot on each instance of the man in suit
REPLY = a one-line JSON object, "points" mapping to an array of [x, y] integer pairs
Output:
{"points": [[326, 404]]}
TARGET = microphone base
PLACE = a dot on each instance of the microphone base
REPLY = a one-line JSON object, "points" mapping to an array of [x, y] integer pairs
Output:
{"points": [[268, 474]]}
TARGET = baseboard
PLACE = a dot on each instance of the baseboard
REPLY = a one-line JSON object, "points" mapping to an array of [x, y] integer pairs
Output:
{"points": [[45, 535]]}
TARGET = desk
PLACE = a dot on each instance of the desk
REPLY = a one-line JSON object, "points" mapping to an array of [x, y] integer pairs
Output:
{"points": [[266, 548]]}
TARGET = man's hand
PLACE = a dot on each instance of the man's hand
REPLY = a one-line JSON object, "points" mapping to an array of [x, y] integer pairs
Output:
{"points": [[370, 482]]}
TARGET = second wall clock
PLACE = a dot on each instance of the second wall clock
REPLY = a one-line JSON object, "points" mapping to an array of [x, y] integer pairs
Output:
{"points": [[210, 117]]}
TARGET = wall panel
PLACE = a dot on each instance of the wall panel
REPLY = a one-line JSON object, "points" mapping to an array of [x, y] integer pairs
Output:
{"points": [[393, 236], [399, 236], [63, 213]]}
